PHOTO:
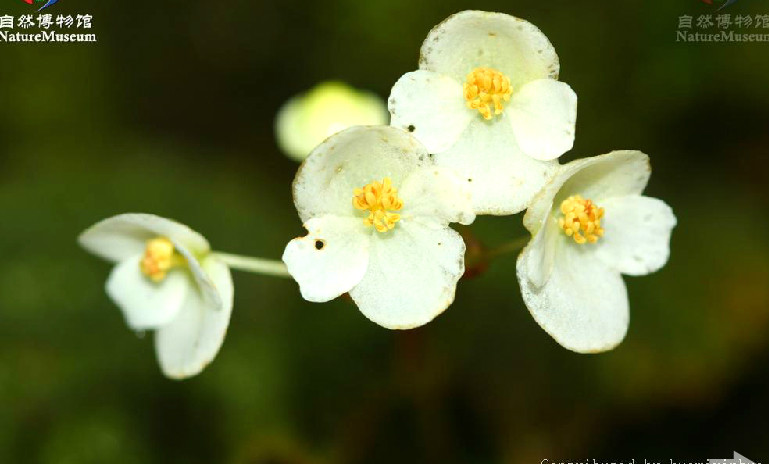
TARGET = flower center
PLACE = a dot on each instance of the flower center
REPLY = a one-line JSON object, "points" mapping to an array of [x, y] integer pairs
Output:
{"points": [[581, 219], [485, 88], [379, 198], [159, 258]]}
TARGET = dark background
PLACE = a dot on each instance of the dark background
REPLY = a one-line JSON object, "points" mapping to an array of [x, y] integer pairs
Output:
{"points": [[171, 113]]}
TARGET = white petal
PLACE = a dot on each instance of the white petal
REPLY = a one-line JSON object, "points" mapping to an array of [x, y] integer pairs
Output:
{"points": [[192, 339], [125, 235], [615, 174], [472, 39], [436, 194], [540, 254], [206, 286], [583, 305], [412, 275], [352, 159], [330, 259], [146, 304], [543, 114], [308, 119], [501, 178], [637, 232], [290, 132], [430, 106]]}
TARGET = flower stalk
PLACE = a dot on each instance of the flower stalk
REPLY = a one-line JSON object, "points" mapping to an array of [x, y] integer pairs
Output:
{"points": [[478, 257], [255, 265], [509, 247]]}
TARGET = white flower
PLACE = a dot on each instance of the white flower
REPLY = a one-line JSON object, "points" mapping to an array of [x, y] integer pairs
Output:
{"points": [[377, 210], [166, 280], [486, 101], [590, 225], [308, 119]]}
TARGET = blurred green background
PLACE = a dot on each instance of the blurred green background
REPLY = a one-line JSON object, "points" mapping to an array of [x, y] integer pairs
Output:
{"points": [[171, 113]]}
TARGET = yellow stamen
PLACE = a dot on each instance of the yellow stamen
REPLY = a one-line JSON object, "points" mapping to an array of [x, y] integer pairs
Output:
{"points": [[379, 198], [581, 220], [159, 258], [485, 88]]}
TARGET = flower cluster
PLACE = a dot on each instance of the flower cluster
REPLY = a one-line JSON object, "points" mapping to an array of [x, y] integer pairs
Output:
{"points": [[477, 129]]}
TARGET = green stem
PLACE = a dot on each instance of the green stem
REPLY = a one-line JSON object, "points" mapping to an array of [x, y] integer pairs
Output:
{"points": [[508, 247], [478, 258], [256, 265]]}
